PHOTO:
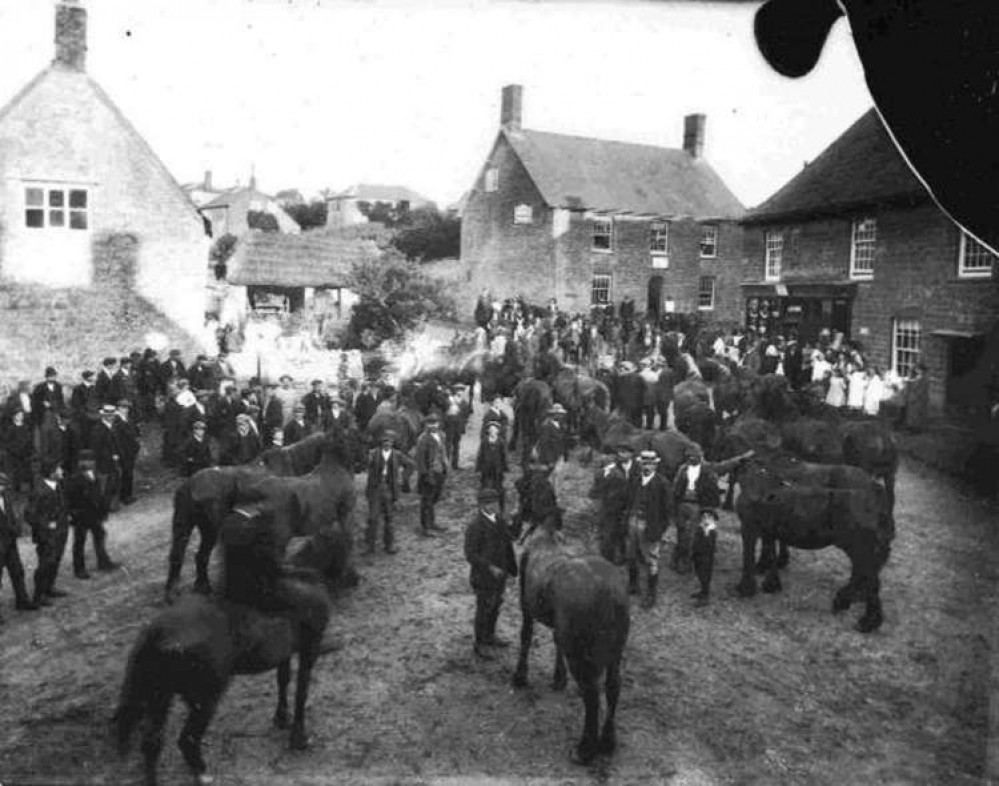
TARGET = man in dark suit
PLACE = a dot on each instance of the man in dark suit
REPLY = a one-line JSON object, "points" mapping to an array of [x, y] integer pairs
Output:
{"points": [[46, 513], [103, 383], [382, 490], [196, 453], [124, 385], [107, 455], [200, 375], [240, 446], [491, 464], [17, 449], [271, 416], [47, 398], [10, 557], [338, 417], [59, 442], [317, 406], [493, 413], [455, 419], [364, 407], [84, 405], [126, 433], [431, 468], [647, 522], [489, 551], [695, 488], [87, 513], [171, 368], [295, 430], [615, 488]]}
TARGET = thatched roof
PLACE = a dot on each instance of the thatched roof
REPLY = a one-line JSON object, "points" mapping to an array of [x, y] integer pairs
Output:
{"points": [[312, 259]]}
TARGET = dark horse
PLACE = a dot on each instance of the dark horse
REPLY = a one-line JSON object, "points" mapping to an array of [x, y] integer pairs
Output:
{"points": [[267, 613], [584, 601], [849, 511]]}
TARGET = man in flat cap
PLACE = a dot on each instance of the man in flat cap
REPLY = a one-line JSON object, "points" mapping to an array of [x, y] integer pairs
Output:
{"points": [[49, 519], [455, 419], [87, 513], [200, 375], [107, 455], [10, 557], [84, 405], [240, 446], [127, 434], [195, 453], [490, 555], [171, 368], [102, 385], [614, 486], [124, 384], [338, 417], [271, 416], [47, 399], [382, 490], [295, 429], [431, 468], [491, 464], [317, 407], [59, 441], [648, 518]]}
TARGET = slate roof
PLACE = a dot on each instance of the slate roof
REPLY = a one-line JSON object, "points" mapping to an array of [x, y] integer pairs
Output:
{"points": [[380, 193], [596, 174], [861, 167], [312, 259]]}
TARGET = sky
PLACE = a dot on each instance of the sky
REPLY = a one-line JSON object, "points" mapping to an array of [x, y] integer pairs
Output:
{"points": [[315, 94]]}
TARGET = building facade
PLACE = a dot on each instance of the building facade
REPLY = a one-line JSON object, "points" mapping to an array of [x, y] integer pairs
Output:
{"points": [[590, 221], [347, 208], [854, 243], [74, 172]]}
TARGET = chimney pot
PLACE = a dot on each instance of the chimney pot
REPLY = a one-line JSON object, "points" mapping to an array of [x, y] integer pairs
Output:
{"points": [[512, 106], [208, 180], [71, 35], [693, 134]]}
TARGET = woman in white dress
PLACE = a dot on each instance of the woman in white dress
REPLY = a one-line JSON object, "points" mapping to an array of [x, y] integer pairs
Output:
{"points": [[836, 397], [857, 386], [875, 392]]}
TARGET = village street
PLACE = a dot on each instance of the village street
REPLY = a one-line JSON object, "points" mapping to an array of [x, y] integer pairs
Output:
{"points": [[774, 690]]}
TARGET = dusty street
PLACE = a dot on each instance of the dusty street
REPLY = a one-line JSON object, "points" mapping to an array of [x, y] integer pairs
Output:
{"points": [[773, 690]]}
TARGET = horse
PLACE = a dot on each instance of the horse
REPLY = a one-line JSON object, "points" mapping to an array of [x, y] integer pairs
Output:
{"points": [[605, 431], [532, 399], [849, 510], [584, 600], [195, 647]]}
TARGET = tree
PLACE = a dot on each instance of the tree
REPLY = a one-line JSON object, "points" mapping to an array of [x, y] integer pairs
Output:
{"points": [[429, 235], [308, 215], [262, 220], [388, 213], [220, 252], [395, 296]]}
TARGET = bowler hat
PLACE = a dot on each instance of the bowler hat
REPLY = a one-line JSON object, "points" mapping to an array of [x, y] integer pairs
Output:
{"points": [[175, 353], [125, 403], [487, 495], [557, 409], [109, 361], [108, 410], [51, 372], [431, 420], [87, 375], [198, 424], [648, 457], [388, 435], [338, 401], [693, 451], [125, 359], [48, 467]]}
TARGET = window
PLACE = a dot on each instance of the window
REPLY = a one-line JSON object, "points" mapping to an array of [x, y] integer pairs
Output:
{"points": [[600, 292], [706, 293], [975, 259], [865, 232], [659, 237], [905, 346], [57, 208], [492, 179], [603, 230], [523, 214], [775, 251], [709, 241]]}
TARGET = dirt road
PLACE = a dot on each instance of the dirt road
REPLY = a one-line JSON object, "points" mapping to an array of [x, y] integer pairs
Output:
{"points": [[773, 690]]}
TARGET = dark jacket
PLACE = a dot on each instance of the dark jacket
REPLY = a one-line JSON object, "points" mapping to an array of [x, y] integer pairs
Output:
{"points": [[491, 463], [102, 387], [44, 400], [59, 445], [492, 416], [83, 402], [127, 436], [317, 407], [9, 529], [551, 441], [653, 501], [238, 449], [294, 432], [488, 543], [123, 386], [194, 456], [364, 409], [377, 470], [46, 511], [706, 491], [84, 501], [430, 454], [107, 451], [271, 419]]}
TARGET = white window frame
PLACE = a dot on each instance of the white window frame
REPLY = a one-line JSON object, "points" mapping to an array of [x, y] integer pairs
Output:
{"points": [[609, 234], [594, 288], [523, 214], [971, 248], [709, 238], [863, 244], [659, 238], [491, 179], [56, 209], [906, 345], [700, 292], [773, 242]]}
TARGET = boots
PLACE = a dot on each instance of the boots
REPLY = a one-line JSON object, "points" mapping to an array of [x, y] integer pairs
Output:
{"points": [[23, 602], [104, 562], [632, 579], [653, 590], [41, 586]]}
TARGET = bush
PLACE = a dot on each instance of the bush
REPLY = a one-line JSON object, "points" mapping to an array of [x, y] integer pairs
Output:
{"points": [[394, 297], [221, 250]]}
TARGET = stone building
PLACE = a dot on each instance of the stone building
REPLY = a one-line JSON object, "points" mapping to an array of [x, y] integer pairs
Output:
{"points": [[347, 208], [590, 221], [75, 173], [854, 243]]}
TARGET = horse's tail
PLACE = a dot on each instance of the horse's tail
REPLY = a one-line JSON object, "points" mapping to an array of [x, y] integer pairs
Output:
{"points": [[140, 679]]}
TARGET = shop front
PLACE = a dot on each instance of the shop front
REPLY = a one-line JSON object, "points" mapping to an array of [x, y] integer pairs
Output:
{"points": [[780, 309]]}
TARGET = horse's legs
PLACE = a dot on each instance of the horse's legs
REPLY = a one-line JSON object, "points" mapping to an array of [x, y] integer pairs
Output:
{"points": [[767, 558], [201, 711], [588, 746], [157, 710], [747, 585], [729, 502], [283, 678], [182, 527], [846, 594], [559, 679], [783, 555], [209, 531], [307, 656], [526, 632], [612, 688], [873, 617], [772, 582]]}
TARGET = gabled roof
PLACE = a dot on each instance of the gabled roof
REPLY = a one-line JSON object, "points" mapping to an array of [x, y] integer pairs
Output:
{"points": [[595, 174], [861, 167], [380, 193], [312, 259]]}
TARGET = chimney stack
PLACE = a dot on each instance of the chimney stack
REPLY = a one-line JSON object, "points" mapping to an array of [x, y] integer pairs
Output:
{"points": [[207, 185], [693, 135], [512, 105], [71, 35]]}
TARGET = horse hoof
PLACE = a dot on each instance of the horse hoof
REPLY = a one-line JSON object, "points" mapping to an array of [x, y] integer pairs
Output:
{"points": [[608, 743], [300, 741], [771, 586], [280, 720], [868, 624], [519, 680], [761, 568], [840, 604], [582, 755]]}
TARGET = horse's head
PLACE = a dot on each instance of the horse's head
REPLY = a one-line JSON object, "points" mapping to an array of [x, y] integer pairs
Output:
{"points": [[593, 425]]}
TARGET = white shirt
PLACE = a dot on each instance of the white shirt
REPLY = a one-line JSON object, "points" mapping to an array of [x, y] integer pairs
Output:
{"points": [[693, 474], [386, 455]]}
